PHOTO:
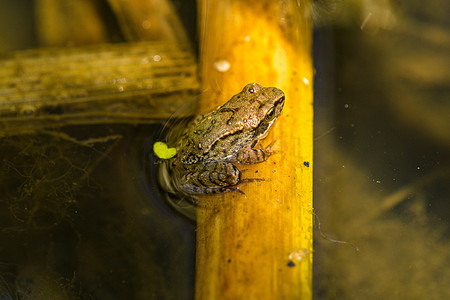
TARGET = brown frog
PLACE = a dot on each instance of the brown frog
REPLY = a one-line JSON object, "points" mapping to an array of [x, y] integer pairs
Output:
{"points": [[209, 146]]}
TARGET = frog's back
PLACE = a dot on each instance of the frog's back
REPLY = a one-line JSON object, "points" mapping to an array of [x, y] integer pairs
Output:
{"points": [[220, 134]]}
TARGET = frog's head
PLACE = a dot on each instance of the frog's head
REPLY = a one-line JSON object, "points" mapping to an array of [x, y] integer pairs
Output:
{"points": [[265, 104]]}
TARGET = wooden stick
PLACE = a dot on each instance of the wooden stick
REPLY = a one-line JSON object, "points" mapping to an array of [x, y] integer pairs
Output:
{"points": [[259, 245], [150, 20]]}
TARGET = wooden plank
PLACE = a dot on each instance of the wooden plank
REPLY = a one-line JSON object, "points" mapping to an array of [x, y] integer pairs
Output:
{"points": [[259, 245], [132, 83]]}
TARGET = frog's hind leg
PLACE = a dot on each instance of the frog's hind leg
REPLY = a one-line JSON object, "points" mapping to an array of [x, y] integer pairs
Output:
{"points": [[211, 178]]}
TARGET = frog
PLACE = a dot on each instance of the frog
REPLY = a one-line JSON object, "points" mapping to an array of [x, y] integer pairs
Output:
{"points": [[209, 148]]}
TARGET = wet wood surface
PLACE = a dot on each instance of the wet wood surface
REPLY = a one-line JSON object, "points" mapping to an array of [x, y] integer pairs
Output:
{"points": [[259, 245]]}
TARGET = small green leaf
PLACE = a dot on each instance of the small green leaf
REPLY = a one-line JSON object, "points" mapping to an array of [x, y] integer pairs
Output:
{"points": [[162, 151]]}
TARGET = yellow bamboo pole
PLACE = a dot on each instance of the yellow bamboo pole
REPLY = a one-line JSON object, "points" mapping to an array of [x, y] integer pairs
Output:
{"points": [[259, 245]]}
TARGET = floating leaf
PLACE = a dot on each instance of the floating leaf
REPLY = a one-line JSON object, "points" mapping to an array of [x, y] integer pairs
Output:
{"points": [[162, 151]]}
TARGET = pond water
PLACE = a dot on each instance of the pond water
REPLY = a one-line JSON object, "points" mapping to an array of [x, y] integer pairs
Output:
{"points": [[86, 222], [382, 162], [81, 215]]}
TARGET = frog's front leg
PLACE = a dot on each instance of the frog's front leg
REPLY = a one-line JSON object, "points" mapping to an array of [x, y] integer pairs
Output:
{"points": [[248, 155], [215, 177]]}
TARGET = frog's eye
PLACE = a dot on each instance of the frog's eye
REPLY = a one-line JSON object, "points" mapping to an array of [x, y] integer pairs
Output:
{"points": [[252, 90], [270, 114]]}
